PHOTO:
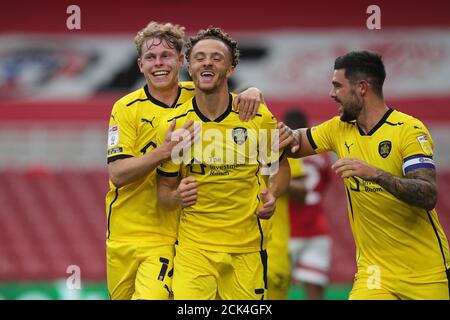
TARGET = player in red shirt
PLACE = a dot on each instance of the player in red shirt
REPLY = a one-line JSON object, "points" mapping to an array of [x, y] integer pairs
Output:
{"points": [[310, 244]]}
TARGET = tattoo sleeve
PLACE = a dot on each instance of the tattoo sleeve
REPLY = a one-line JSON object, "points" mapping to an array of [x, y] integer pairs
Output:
{"points": [[417, 188]]}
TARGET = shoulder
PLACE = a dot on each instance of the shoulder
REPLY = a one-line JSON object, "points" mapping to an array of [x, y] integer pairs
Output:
{"points": [[336, 123], [264, 111], [408, 122], [130, 98]]}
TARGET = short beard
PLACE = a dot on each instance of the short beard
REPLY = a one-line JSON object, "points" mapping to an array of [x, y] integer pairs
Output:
{"points": [[352, 109]]}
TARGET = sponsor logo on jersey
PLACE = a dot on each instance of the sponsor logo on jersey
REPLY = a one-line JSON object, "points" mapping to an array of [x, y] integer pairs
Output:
{"points": [[425, 144], [113, 136], [115, 150], [348, 146]]}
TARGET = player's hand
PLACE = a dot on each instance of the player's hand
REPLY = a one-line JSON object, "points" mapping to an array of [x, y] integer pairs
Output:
{"points": [[288, 139], [349, 167], [187, 192], [247, 102], [269, 202], [183, 137]]}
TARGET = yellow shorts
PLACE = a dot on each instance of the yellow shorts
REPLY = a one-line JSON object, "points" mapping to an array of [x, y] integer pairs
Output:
{"points": [[139, 270], [428, 288], [207, 275], [278, 276]]}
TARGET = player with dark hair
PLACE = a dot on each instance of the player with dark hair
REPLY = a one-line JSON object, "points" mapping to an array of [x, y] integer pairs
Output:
{"points": [[386, 162], [221, 250]]}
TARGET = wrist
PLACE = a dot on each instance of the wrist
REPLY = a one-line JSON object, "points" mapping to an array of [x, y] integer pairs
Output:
{"points": [[376, 177], [164, 153]]}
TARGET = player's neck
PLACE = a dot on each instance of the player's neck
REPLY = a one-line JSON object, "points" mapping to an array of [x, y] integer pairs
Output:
{"points": [[165, 95], [371, 114], [214, 104]]}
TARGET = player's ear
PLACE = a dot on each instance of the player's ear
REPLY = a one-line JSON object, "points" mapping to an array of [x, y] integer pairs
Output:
{"points": [[189, 70], [363, 87], [181, 60], [139, 62], [230, 71]]}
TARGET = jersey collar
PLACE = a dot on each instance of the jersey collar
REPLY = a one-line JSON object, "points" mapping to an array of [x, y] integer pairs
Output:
{"points": [[378, 125], [160, 103], [219, 118]]}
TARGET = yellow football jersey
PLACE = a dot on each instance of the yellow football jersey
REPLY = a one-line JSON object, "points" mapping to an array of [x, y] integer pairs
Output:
{"points": [[279, 264], [392, 237], [279, 240], [229, 178], [131, 210]]}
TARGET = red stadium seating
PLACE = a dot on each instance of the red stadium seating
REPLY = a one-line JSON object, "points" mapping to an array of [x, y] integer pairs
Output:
{"points": [[51, 220]]}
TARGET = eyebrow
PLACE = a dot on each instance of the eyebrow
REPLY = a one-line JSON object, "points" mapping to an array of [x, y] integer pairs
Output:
{"points": [[215, 53], [199, 53], [334, 82], [148, 53]]}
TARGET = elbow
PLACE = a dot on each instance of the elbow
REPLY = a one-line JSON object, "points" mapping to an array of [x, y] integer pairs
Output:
{"points": [[117, 181], [431, 202]]}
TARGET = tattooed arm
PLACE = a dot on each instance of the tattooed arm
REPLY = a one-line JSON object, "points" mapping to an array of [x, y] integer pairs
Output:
{"points": [[418, 187]]}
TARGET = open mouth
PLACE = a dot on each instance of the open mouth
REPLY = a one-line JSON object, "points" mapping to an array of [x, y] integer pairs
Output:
{"points": [[160, 73], [207, 74]]}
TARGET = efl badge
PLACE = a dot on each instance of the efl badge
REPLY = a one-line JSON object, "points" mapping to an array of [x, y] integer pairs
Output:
{"points": [[425, 144], [113, 136], [239, 135], [384, 148]]}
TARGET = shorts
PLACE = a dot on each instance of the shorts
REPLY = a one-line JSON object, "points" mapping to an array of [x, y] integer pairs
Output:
{"points": [[432, 287], [207, 275], [278, 275], [310, 259], [139, 270]]}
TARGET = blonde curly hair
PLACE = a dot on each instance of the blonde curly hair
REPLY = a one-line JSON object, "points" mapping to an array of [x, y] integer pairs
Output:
{"points": [[172, 34]]}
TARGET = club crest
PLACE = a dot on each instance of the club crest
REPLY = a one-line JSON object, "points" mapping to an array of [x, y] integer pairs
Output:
{"points": [[239, 135], [384, 148]]}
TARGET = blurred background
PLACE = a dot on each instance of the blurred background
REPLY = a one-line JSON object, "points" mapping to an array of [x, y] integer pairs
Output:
{"points": [[57, 87]]}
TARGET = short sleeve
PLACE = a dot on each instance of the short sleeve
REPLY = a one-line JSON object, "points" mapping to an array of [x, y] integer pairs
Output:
{"points": [[267, 135], [416, 147], [121, 133], [321, 136]]}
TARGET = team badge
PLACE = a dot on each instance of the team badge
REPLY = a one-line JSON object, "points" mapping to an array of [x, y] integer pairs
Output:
{"points": [[239, 135], [384, 148]]}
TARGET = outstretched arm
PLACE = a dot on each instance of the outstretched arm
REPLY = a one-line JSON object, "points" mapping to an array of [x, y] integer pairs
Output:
{"points": [[417, 187], [295, 142]]}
